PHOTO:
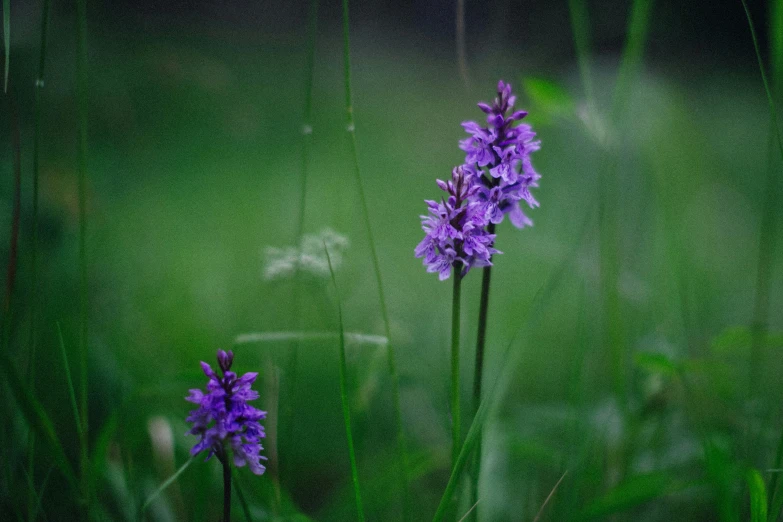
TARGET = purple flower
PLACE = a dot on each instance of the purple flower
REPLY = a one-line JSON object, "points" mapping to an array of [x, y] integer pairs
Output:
{"points": [[224, 420], [454, 229], [504, 150], [497, 175]]}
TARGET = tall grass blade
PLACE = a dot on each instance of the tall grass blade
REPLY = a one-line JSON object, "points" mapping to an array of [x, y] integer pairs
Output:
{"points": [[287, 417], [768, 91], [168, 482], [71, 390], [6, 39], [395, 381], [758, 496], [344, 396], [549, 497], [580, 27], [39, 82], [13, 247], [81, 89], [36, 417], [276, 337]]}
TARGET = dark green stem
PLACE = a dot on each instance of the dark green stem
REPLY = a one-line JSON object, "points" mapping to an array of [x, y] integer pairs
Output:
{"points": [[395, 380], [478, 374], [307, 139], [39, 82], [81, 88], [224, 459], [455, 324]]}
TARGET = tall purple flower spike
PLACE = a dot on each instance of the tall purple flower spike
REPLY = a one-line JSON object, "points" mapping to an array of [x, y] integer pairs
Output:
{"points": [[497, 175], [224, 420], [504, 150]]}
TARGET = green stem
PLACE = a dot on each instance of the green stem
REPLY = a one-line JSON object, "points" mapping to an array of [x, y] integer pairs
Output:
{"points": [[226, 461], [81, 84], [39, 82], [455, 324], [478, 374], [395, 381], [307, 140]]}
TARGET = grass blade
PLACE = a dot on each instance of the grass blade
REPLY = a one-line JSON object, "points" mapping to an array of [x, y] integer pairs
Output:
{"points": [[39, 82], [287, 417], [71, 390], [344, 396], [273, 337], [81, 89], [36, 417], [168, 482], [549, 497], [395, 380], [758, 496], [6, 39]]}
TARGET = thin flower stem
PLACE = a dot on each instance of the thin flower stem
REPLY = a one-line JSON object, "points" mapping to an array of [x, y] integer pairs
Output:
{"points": [[226, 487], [81, 87], [455, 327], [479, 371], [395, 381]]}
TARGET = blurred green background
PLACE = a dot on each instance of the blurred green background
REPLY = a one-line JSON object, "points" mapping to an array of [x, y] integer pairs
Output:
{"points": [[194, 170]]}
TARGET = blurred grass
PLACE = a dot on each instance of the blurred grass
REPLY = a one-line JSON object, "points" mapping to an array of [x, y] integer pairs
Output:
{"points": [[194, 165]]}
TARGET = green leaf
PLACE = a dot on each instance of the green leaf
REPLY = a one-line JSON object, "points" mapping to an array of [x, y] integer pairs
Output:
{"points": [[549, 99], [656, 363], [758, 496]]}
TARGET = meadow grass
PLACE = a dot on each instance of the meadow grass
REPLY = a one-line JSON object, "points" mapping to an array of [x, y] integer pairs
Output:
{"points": [[182, 197]]}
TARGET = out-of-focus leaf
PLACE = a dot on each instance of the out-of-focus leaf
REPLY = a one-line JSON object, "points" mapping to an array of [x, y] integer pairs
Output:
{"points": [[737, 340], [758, 496], [732, 341], [631, 493], [548, 99], [656, 363], [37, 418]]}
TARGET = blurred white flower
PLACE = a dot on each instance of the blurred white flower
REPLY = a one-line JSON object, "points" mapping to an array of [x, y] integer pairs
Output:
{"points": [[309, 257]]}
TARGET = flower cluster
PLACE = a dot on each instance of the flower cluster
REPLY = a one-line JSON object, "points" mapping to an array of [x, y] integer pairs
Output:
{"points": [[224, 420], [497, 175], [455, 232], [504, 150]]}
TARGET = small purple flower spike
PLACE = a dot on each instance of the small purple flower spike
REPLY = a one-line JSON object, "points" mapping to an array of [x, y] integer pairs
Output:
{"points": [[454, 232], [224, 420]]}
